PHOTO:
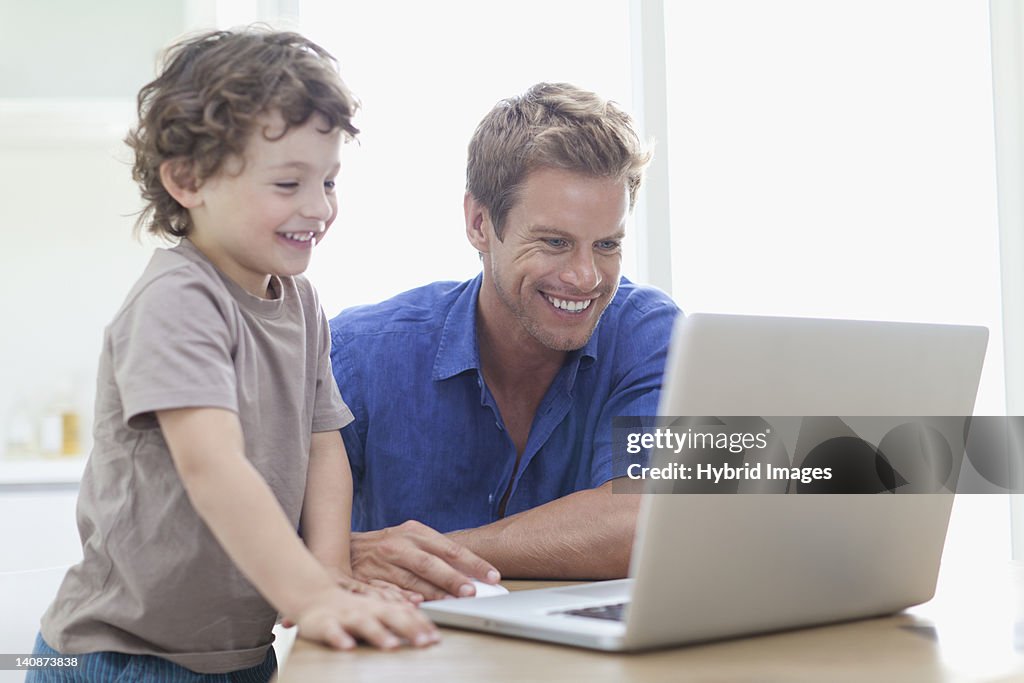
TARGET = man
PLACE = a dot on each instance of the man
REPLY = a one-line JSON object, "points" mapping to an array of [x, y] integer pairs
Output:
{"points": [[484, 408]]}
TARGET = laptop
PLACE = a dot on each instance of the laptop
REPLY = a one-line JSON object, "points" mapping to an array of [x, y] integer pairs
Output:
{"points": [[710, 566]]}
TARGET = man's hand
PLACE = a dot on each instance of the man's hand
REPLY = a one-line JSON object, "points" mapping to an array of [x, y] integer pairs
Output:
{"points": [[417, 558]]}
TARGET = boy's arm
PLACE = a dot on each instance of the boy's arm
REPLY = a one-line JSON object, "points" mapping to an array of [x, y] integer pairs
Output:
{"points": [[327, 518], [327, 506], [239, 508]]}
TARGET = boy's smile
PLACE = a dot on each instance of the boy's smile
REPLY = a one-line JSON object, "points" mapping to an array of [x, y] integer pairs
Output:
{"points": [[263, 214]]}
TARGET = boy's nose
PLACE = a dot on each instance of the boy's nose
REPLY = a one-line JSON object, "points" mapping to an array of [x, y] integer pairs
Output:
{"points": [[319, 207]]}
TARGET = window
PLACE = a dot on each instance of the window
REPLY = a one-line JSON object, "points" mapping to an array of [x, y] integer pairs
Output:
{"points": [[837, 160], [426, 74]]}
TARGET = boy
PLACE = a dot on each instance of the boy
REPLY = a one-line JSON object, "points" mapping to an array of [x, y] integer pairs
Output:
{"points": [[217, 415]]}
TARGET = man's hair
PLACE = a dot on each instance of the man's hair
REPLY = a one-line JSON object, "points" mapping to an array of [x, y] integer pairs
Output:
{"points": [[206, 101], [551, 125]]}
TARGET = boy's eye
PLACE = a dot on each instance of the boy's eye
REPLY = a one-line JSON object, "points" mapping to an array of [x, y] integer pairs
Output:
{"points": [[287, 185], [329, 185]]}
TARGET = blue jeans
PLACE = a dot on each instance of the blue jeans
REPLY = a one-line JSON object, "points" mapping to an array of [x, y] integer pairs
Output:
{"points": [[116, 667]]}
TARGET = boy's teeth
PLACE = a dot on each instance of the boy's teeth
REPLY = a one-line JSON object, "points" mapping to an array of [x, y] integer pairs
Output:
{"points": [[571, 306], [299, 236]]}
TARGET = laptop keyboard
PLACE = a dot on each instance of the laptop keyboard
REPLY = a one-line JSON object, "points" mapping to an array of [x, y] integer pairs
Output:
{"points": [[614, 612]]}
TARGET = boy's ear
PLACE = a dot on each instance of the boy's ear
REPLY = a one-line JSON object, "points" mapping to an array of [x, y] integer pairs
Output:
{"points": [[180, 182], [478, 224]]}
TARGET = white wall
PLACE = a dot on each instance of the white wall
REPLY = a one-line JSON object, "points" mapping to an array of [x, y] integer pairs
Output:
{"points": [[837, 160], [426, 74], [68, 256], [69, 48], [69, 72]]}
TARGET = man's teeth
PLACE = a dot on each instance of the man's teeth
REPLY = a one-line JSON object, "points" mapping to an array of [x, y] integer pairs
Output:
{"points": [[299, 236], [571, 306]]}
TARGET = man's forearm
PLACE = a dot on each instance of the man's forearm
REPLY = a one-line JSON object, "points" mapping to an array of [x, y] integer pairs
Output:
{"points": [[585, 535]]}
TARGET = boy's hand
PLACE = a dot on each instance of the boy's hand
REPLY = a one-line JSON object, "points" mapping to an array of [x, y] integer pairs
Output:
{"points": [[388, 592], [378, 588], [337, 618]]}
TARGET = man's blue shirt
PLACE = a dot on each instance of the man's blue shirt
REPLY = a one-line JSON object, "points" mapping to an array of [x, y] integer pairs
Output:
{"points": [[428, 442]]}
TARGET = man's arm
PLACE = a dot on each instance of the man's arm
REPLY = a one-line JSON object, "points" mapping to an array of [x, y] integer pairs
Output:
{"points": [[585, 535]]}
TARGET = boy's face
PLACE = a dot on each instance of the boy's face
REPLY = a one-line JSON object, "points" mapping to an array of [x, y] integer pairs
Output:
{"points": [[264, 216]]}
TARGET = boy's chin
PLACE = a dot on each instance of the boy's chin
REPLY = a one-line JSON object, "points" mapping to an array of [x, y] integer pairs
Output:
{"points": [[292, 268]]}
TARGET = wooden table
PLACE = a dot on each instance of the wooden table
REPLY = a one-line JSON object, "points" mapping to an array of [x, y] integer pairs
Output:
{"points": [[972, 631]]}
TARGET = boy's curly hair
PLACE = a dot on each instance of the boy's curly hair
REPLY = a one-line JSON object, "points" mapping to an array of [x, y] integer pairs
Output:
{"points": [[205, 102]]}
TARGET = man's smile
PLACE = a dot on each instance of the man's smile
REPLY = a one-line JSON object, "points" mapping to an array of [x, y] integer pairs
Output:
{"points": [[569, 305]]}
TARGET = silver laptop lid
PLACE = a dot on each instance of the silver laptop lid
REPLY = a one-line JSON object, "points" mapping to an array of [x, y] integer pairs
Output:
{"points": [[758, 365], [714, 565]]}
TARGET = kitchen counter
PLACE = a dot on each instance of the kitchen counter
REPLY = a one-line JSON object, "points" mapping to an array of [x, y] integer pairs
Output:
{"points": [[56, 472]]}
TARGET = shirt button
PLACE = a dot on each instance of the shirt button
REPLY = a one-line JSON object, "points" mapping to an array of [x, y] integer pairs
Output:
{"points": [[498, 425], [490, 498]]}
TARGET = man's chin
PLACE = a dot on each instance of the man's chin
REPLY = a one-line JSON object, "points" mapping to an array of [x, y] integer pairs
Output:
{"points": [[562, 343], [568, 346], [572, 339]]}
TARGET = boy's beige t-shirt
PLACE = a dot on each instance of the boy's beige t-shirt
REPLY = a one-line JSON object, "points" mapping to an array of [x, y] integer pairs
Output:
{"points": [[153, 579]]}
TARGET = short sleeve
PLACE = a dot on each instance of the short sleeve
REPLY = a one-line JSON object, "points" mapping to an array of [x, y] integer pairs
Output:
{"points": [[643, 344], [329, 410], [346, 382], [171, 347]]}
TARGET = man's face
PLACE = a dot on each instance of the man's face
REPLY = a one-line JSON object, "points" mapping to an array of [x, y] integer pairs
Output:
{"points": [[558, 266]]}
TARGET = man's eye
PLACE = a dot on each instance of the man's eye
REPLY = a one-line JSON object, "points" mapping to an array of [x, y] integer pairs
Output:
{"points": [[608, 245], [556, 242]]}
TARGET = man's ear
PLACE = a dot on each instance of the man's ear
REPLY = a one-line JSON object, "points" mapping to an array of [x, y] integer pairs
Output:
{"points": [[478, 224], [180, 182]]}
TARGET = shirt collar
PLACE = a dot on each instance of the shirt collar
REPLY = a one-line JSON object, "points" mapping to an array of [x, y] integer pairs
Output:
{"points": [[458, 352]]}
